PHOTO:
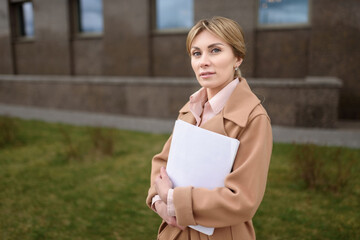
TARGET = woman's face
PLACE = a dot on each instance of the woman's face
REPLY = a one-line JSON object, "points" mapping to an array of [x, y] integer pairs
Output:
{"points": [[213, 62]]}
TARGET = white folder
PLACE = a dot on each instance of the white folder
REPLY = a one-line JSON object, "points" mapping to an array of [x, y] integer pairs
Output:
{"points": [[200, 158]]}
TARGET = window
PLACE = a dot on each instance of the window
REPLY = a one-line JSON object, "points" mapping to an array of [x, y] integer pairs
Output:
{"points": [[90, 16], [174, 14], [283, 12], [23, 19]]}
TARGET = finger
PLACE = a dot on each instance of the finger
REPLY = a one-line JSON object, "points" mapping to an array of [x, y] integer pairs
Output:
{"points": [[157, 182], [172, 221], [163, 173], [179, 226]]}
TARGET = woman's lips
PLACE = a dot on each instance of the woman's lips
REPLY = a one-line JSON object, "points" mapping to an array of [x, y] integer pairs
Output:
{"points": [[206, 74]]}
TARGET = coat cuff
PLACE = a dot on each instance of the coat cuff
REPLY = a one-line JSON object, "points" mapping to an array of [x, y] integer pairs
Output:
{"points": [[170, 203], [183, 206], [151, 193], [154, 200]]}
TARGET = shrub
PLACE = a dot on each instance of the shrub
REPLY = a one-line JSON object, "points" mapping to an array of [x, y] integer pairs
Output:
{"points": [[329, 170], [102, 140], [96, 143], [72, 150], [9, 132]]}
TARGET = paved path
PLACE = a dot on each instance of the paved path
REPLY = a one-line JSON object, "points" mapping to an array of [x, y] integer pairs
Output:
{"points": [[348, 137]]}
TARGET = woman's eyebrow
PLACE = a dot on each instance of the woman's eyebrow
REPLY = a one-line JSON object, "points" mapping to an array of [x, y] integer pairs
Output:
{"points": [[210, 46], [215, 44]]}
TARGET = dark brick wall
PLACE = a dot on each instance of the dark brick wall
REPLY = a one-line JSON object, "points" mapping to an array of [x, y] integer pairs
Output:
{"points": [[282, 53], [335, 49], [6, 59], [328, 47], [49, 52], [169, 56], [88, 56], [126, 38]]}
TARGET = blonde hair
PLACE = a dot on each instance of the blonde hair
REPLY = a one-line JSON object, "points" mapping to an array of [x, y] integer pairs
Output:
{"points": [[224, 28]]}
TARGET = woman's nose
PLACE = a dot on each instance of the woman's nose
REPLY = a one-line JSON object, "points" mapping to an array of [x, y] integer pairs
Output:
{"points": [[204, 60]]}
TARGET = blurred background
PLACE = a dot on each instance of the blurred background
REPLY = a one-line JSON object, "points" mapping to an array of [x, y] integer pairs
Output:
{"points": [[115, 66], [302, 56]]}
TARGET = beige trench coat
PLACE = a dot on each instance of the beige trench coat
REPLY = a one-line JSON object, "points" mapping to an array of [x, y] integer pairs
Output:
{"points": [[229, 209]]}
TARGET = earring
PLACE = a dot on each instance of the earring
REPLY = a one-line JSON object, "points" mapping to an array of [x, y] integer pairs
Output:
{"points": [[236, 68]]}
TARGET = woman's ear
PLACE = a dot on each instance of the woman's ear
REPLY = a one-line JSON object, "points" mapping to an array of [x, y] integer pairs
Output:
{"points": [[239, 61]]}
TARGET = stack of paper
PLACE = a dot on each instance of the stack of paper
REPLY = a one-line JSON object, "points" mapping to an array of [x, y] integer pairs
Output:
{"points": [[200, 158]]}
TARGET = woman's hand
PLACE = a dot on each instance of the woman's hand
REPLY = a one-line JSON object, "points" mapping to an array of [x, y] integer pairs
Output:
{"points": [[161, 209], [163, 184]]}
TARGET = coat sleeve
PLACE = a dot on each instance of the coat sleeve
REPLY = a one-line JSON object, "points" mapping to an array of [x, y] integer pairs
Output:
{"points": [[244, 187], [158, 161]]}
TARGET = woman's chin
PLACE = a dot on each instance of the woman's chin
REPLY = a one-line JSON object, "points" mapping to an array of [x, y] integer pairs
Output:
{"points": [[206, 83]]}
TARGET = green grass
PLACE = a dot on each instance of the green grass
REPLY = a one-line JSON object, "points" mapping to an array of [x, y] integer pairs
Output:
{"points": [[47, 193], [290, 211]]}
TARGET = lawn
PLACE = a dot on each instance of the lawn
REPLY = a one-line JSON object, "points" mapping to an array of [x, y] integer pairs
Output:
{"points": [[68, 182]]}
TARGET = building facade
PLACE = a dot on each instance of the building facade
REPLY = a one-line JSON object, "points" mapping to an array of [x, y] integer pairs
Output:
{"points": [[131, 43]]}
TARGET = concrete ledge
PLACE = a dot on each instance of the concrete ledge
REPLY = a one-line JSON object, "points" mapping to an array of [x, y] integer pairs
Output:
{"points": [[150, 125], [348, 137], [308, 82], [99, 80], [309, 102], [329, 82]]}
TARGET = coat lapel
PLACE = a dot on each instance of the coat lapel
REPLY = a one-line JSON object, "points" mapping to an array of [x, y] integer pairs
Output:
{"points": [[237, 110], [186, 115], [240, 104]]}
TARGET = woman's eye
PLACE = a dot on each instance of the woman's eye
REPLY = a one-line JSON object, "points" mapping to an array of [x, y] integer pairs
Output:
{"points": [[215, 50], [196, 54]]}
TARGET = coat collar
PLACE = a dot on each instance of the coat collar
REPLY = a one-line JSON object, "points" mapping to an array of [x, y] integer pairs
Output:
{"points": [[239, 106]]}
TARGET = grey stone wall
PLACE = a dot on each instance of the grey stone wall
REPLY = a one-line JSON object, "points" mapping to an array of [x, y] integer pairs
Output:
{"points": [[309, 102]]}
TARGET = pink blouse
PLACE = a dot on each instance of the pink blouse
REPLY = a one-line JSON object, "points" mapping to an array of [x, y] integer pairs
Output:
{"points": [[203, 110]]}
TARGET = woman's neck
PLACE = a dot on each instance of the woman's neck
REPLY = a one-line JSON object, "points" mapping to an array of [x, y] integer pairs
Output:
{"points": [[211, 92]]}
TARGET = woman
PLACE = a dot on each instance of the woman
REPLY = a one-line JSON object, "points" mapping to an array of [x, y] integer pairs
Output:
{"points": [[225, 105]]}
